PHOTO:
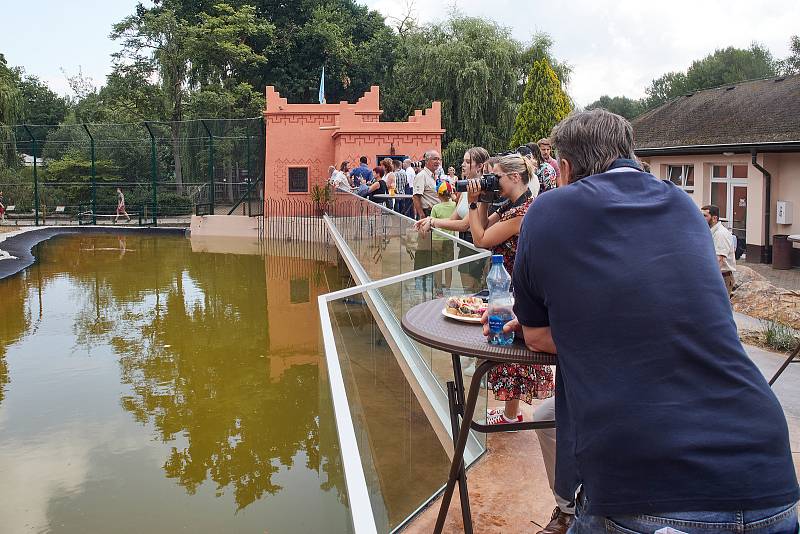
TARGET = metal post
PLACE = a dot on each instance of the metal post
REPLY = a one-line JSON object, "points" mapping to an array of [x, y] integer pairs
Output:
{"points": [[153, 173], [35, 178], [94, 176], [249, 179], [210, 165]]}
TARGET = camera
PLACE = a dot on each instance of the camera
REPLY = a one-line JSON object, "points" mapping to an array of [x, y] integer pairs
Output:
{"points": [[490, 185]]}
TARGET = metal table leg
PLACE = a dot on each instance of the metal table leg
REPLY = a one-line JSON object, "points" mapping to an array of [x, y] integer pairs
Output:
{"points": [[458, 454], [783, 367]]}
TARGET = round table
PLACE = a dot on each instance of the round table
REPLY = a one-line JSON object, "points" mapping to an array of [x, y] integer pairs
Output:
{"points": [[427, 324]]}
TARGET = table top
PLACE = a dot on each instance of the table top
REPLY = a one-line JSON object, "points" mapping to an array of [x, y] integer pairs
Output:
{"points": [[795, 238], [386, 197], [426, 324]]}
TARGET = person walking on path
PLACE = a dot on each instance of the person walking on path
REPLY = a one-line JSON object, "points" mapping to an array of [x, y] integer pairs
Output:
{"points": [[2, 208], [121, 206], [723, 245]]}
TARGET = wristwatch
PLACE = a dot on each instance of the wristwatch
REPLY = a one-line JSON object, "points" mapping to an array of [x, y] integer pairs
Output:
{"points": [[473, 205]]}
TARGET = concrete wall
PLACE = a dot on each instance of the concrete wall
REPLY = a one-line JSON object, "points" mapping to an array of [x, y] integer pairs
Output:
{"points": [[785, 185]]}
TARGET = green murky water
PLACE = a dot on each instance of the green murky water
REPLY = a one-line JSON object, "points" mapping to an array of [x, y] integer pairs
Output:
{"points": [[148, 388]]}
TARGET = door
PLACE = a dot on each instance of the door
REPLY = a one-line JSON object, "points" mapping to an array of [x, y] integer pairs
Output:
{"points": [[739, 209]]}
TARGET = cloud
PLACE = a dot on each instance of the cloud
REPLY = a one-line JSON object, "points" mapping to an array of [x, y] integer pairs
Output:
{"points": [[617, 48]]}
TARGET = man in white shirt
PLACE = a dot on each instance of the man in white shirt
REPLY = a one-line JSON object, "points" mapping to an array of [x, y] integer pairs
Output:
{"points": [[408, 168], [723, 245], [424, 190]]}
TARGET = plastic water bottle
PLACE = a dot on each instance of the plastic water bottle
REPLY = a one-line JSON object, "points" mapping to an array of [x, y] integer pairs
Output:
{"points": [[501, 302]]}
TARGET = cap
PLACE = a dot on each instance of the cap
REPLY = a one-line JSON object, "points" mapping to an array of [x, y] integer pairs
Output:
{"points": [[444, 188], [497, 258]]}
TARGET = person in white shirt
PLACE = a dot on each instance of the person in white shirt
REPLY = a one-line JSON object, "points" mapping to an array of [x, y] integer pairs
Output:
{"points": [[408, 166], [337, 178], [723, 245], [424, 190]]}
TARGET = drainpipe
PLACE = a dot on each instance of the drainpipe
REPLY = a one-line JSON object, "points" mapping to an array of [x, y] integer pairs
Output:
{"points": [[766, 256]]}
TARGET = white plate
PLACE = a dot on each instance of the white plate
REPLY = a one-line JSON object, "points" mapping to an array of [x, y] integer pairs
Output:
{"points": [[476, 320]]}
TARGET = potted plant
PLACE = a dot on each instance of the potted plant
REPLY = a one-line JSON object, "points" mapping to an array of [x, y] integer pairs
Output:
{"points": [[321, 197]]}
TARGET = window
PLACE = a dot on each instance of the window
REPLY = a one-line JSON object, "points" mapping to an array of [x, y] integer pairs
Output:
{"points": [[682, 176], [298, 179]]}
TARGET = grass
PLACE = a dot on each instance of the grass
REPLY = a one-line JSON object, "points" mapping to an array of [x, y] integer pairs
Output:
{"points": [[778, 336]]}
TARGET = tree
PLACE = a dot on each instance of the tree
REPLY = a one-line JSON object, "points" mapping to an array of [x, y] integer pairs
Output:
{"points": [[209, 52], [621, 105], [41, 107], [473, 66], [544, 104], [729, 65], [10, 111], [791, 65]]}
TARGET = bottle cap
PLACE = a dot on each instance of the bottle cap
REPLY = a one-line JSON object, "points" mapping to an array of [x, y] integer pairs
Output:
{"points": [[497, 259]]}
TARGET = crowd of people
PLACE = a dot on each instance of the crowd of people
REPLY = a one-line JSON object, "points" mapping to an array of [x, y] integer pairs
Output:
{"points": [[664, 423]]}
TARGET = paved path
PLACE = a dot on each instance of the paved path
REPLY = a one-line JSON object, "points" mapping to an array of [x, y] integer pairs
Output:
{"points": [[787, 279]]}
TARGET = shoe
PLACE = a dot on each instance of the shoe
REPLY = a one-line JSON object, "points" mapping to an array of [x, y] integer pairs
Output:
{"points": [[495, 417], [559, 523]]}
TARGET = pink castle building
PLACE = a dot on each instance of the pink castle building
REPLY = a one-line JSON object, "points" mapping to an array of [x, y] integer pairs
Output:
{"points": [[304, 139]]}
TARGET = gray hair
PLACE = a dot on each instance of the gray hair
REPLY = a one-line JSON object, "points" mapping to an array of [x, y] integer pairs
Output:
{"points": [[592, 140], [430, 152]]}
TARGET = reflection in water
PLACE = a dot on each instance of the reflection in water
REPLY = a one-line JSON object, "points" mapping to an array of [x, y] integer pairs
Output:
{"points": [[215, 356]]}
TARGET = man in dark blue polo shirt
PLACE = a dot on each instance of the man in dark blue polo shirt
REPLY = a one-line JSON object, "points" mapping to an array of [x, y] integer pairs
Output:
{"points": [[361, 174], [663, 420]]}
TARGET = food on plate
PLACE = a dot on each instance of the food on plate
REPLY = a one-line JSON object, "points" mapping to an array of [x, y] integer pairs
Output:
{"points": [[466, 306]]}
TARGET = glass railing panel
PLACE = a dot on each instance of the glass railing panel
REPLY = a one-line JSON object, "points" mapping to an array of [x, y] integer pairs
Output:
{"points": [[400, 417]]}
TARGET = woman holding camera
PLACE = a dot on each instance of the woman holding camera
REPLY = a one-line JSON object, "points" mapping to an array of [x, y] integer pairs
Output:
{"points": [[471, 167], [500, 233]]}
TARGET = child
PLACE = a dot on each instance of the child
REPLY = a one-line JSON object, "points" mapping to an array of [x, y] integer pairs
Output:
{"points": [[442, 247]]}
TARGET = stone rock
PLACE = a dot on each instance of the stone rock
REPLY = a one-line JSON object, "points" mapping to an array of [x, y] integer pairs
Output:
{"points": [[745, 274], [758, 298]]}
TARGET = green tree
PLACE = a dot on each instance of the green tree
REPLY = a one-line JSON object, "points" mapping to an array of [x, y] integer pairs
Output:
{"points": [[621, 105], [544, 104], [729, 65], [10, 111], [41, 107], [791, 65], [473, 66], [210, 51]]}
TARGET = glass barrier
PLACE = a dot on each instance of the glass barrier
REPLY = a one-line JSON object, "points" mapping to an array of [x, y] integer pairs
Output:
{"points": [[390, 392], [401, 420]]}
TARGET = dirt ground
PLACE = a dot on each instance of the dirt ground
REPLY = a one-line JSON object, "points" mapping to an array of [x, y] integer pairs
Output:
{"points": [[753, 295]]}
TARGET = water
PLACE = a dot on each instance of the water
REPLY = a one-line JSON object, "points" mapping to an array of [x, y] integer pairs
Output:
{"points": [[148, 388]]}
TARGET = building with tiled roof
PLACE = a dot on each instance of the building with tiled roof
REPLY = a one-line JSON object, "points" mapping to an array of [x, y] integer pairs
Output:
{"points": [[736, 146]]}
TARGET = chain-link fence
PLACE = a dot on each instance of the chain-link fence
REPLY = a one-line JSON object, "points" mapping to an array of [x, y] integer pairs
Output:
{"points": [[163, 172]]}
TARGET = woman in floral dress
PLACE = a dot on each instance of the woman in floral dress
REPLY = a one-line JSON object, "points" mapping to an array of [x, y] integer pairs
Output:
{"points": [[500, 233]]}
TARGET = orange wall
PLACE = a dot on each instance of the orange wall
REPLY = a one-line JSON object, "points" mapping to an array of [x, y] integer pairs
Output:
{"points": [[319, 135]]}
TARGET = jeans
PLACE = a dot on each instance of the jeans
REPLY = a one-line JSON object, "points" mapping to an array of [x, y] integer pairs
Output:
{"points": [[780, 520]]}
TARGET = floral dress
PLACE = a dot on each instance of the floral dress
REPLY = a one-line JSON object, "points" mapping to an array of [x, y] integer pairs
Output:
{"points": [[512, 380], [547, 177]]}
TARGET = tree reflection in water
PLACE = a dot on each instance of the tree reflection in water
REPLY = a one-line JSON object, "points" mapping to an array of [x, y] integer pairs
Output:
{"points": [[192, 332]]}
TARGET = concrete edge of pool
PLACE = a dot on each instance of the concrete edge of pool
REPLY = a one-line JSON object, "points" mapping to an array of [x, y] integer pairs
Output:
{"points": [[20, 243]]}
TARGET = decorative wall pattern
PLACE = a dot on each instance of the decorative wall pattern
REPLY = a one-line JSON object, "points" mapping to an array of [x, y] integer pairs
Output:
{"points": [[321, 119]]}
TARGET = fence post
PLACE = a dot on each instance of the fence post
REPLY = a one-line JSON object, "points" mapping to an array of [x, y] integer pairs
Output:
{"points": [[210, 164], [35, 177], [153, 173], [249, 179], [94, 176]]}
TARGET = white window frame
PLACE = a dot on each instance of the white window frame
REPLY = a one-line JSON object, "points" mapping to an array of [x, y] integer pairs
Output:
{"points": [[684, 172], [731, 182]]}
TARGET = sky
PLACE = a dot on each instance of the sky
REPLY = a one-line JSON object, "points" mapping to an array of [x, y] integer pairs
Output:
{"points": [[614, 47]]}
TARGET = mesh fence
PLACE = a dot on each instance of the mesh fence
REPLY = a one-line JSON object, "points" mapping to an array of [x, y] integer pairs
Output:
{"points": [[164, 171]]}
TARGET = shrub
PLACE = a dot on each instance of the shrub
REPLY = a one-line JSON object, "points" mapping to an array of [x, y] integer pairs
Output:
{"points": [[778, 335]]}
